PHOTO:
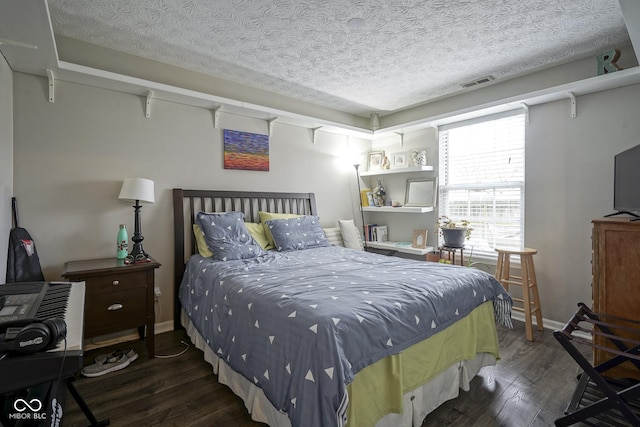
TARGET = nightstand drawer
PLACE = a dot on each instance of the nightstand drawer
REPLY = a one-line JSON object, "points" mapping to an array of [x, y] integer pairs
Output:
{"points": [[113, 311], [120, 281]]}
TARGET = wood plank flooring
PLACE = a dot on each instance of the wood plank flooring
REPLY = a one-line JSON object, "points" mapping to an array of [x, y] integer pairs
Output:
{"points": [[530, 386]]}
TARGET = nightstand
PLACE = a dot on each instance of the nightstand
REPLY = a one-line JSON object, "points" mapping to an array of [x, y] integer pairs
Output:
{"points": [[118, 296]]}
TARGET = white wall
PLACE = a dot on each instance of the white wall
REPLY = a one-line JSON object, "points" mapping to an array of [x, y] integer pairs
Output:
{"points": [[6, 160], [569, 182], [72, 155]]}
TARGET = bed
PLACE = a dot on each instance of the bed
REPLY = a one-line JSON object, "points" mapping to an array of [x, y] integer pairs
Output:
{"points": [[305, 332]]}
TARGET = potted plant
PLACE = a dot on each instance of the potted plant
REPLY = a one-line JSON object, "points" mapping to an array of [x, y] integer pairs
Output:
{"points": [[454, 232]]}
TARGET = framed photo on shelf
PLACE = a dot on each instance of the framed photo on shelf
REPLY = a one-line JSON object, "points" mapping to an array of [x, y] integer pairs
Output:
{"points": [[399, 160], [421, 192], [375, 160], [364, 196], [379, 233], [371, 201], [419, 240]]}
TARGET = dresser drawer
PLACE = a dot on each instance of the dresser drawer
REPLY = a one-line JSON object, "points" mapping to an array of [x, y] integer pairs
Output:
{"points": [[120, 281], [113, 311]]}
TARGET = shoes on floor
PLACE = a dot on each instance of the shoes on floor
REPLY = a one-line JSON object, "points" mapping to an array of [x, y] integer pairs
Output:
{"points": [[106, 363], [130, 353]]}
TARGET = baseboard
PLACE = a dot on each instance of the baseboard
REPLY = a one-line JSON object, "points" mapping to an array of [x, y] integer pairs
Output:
{"points": [[163, 327], [548, 324], [125, 336]]}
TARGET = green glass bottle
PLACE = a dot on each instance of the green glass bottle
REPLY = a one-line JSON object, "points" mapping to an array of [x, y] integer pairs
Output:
{"points": [[123, 242]]}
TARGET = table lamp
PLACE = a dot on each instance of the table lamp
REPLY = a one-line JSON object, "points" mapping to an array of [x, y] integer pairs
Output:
{"points": [[138, 190]]}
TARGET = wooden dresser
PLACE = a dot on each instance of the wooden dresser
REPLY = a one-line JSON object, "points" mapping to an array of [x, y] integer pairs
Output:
{"points": [[616, 278]]}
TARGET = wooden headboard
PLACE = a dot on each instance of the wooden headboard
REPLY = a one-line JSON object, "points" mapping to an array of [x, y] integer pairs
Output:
{"points": [[187, 203]]}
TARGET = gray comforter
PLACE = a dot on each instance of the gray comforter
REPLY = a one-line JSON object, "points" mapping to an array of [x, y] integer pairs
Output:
{"points": [[301, 324]]}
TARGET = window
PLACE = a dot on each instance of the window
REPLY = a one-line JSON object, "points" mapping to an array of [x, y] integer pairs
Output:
{"points": [[481, 176]]}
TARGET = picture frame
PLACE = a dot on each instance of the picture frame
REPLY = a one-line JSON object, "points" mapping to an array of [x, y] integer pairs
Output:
{"points": [[399, 160], [375, 159], [421, 192], [364, 196], [245, 150], [419, 240], [379, 233], [371, 201]]}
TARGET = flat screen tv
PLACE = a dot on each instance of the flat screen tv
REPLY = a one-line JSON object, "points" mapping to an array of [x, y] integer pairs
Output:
{"points": [[626, 186]]}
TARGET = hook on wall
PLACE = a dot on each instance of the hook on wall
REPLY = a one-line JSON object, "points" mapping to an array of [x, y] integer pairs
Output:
{"points": [[147, 112], [216, 116], [526, 113], [572, 97], [314, 133], [52, 80], [270, 124]]}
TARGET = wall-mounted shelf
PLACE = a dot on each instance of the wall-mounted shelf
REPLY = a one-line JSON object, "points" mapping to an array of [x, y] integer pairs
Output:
{"points": [[401, 209], [409, 169], [36, 29], [396, 246]]}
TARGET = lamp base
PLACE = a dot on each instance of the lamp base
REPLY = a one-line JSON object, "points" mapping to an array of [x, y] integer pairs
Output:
{"points": [[137, 253]]}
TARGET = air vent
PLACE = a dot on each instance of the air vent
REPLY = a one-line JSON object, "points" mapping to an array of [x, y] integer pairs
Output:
{"points": [[479, 81]]}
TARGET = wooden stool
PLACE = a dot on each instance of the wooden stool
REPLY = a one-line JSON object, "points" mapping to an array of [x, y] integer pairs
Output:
{"points": [[530, 299]]}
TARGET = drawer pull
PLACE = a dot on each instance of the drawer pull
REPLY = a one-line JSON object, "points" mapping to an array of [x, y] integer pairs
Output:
{"points": [[114, 307], [116, 282]]}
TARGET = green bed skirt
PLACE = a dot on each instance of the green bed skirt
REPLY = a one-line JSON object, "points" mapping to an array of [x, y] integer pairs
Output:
{"points": [[378, 389]]}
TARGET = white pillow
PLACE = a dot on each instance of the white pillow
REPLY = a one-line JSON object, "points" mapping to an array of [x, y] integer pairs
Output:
{"points": [[334, 236], [350, 234]]}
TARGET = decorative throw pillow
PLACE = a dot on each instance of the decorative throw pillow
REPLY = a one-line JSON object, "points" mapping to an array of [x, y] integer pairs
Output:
{"points": [[257, 232], [201, 245], [334, 236], [227, 236], [350, 234], [299, 233], [266, 216]]}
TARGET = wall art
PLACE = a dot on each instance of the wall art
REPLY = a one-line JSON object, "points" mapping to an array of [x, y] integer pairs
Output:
{"points": [[246, 151]]}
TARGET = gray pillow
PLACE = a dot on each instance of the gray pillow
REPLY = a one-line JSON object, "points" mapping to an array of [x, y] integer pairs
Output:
{"points": [[295, 234], [227, 236]]}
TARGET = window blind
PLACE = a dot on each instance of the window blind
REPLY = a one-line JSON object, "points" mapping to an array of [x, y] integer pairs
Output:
{"points": [[481, 174]]}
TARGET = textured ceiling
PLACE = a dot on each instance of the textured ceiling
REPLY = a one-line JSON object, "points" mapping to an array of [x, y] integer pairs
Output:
{"points": [[406, 52]]}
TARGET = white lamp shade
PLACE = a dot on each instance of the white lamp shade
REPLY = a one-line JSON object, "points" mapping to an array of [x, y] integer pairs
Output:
{"points": [[137, 189]]}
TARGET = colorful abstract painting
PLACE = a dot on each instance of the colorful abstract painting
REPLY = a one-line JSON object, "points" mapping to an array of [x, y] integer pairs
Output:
{"points": [[246, 151]]}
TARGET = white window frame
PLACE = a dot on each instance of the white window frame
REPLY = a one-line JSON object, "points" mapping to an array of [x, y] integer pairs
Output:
{"points": [[488, 233]]}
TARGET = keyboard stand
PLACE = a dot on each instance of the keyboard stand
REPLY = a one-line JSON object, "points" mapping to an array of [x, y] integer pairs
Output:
{"points": [[610, 401], [84, 407]]}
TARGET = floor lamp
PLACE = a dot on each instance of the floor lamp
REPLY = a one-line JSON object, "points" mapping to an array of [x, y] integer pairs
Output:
{"points": [[364, 240]]}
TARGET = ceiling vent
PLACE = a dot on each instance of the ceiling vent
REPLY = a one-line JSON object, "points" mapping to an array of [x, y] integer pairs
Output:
{"points": [[476, 82]]}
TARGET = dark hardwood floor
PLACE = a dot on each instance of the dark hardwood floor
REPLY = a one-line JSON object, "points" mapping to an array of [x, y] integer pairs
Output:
{"points": [[529, 386]]}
